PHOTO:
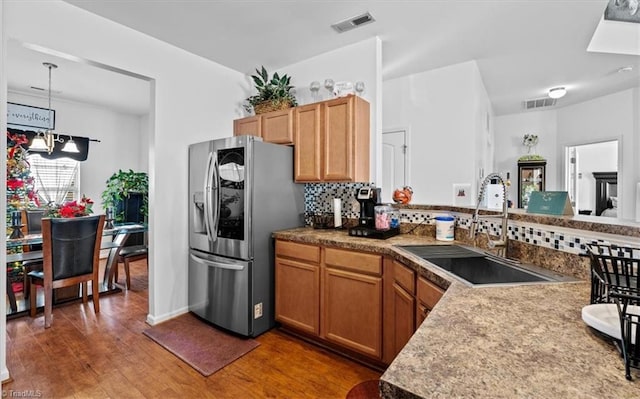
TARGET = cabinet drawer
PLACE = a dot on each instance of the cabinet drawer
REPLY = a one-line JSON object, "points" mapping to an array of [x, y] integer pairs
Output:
{"points": [[404, 276], [428, 292], [310, 253], [356, 261]]}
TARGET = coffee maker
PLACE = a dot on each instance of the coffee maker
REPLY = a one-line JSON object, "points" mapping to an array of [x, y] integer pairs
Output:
{"points": [[369, 197]]}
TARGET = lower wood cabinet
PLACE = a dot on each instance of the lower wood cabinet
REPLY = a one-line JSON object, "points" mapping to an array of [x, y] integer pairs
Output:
{"points": [[403, 305], [362, 302], [353, 311], [428, 295], [352, 300], [297, 278]]}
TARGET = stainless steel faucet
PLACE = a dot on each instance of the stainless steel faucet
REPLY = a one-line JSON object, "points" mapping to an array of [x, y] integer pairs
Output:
{"points": [[500, 244]]}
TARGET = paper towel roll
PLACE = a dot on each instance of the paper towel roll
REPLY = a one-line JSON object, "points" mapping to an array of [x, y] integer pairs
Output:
{"points": [[337, 212]]}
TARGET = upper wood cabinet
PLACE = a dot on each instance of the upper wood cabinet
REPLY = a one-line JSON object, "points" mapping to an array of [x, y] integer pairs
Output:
{"points": [[308, 138], [332, 140], [278, 126], [250, 126], [274, 127]]}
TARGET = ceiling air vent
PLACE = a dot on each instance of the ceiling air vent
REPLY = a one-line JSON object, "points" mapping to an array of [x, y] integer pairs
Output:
{"points": [[539, 103], [353, 23]]}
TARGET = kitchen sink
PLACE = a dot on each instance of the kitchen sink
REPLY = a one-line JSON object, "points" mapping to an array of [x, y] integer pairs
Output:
{"points": [[478, 268]]}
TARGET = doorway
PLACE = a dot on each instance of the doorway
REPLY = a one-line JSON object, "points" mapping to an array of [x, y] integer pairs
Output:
{"points": [[583, 164], [105, 103], [394, 162]]}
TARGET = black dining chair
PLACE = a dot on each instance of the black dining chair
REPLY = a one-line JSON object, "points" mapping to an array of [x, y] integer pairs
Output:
{"points": [[33, 218], [71, 255]]}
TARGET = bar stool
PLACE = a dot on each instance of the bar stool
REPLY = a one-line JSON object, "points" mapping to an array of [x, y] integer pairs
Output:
{"points": [[615, 299]]}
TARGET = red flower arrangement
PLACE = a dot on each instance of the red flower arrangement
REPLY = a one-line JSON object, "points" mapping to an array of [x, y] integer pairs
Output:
{"points": [[70, 209]]}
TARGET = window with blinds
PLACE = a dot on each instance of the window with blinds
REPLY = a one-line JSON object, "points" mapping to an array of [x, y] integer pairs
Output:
{"points": [[56, 180]]}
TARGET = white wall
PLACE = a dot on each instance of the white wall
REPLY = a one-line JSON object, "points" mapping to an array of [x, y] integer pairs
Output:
{"points": [[509, 131], [483, 127], [193, 99], [120, 137], [4, 372], [441, 109], [610, 117], [357, 62]]}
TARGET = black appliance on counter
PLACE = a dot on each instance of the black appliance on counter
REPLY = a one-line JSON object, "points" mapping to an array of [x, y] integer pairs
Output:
{"points": [[369, 197]]}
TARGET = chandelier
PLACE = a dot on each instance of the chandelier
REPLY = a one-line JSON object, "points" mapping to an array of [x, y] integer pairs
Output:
{"points": [[46, 141]]}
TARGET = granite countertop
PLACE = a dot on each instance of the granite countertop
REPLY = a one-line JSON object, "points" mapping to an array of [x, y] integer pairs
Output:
{"points": [[525, 341]]}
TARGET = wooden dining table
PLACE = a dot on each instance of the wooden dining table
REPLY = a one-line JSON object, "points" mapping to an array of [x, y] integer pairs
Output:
{"points": [[119, 233]]}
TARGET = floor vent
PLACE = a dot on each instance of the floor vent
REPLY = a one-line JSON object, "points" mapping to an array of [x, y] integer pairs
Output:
{"points": [[353, 23], [539, 103]]}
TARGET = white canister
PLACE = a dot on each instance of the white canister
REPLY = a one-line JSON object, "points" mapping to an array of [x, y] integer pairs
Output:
{"points": [[445, 228]]}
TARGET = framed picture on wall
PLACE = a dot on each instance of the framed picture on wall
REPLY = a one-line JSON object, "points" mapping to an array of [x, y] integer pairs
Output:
{"points": [[462, 194], [26, 115]]}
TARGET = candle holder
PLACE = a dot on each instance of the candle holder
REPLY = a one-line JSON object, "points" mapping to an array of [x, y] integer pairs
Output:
{"points": [[109, 218]]}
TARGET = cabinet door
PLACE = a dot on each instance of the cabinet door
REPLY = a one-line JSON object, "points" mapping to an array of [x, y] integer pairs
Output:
{"points": [[277, 127], [298, 295], [308, 139], [247, 126], [338, 139], [421, 312], [403, 317], [352, 311], [428, 295]]}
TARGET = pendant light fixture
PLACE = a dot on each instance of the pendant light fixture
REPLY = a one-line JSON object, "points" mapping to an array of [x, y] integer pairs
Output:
{"points": [[46, 141]]}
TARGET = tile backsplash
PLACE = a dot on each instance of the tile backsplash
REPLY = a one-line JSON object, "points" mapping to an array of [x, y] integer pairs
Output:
{"points": [[319, 198]]}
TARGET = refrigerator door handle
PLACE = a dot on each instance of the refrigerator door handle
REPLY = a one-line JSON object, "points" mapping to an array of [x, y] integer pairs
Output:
{"points": [[215, 169], [216, 264], [208, 220]]}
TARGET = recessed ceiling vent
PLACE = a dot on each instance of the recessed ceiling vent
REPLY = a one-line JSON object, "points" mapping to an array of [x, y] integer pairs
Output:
{"points": [[539, 103], [353, 23]]}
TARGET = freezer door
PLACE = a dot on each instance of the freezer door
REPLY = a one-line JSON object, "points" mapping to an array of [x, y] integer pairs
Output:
{"points": [[220, 291]]}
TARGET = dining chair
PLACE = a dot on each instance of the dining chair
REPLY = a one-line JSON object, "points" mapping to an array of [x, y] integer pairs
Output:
{"points": [[130, 254], [33, 218], [71, 254]]}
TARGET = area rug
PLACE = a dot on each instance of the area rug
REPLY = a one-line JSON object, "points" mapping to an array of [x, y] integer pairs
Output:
{"points": [[198, 344]]}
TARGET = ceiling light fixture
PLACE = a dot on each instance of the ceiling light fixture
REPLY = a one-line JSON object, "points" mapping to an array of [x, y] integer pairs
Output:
{"points": [[46, 141], [623, 69], [557, 92]]}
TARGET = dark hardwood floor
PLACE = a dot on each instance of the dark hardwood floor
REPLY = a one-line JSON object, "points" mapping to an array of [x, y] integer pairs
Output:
{"points": [[84, 355]]}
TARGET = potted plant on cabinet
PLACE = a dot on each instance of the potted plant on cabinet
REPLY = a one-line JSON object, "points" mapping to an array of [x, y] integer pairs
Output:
{"points": [[273, 93], [127, 194]]}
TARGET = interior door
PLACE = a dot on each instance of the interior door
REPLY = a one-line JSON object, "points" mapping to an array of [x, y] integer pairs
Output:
{"points": [[394, 162]]}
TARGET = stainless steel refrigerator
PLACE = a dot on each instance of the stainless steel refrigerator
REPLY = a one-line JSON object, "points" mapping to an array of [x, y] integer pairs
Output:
{"points": [[240, 191]]}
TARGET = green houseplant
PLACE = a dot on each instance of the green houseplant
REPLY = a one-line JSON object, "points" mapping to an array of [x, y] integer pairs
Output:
{"points": [[122, 188], [274, 93]]}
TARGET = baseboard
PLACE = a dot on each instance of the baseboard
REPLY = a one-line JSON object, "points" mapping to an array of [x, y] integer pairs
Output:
{"points": [[153, 320], [4, 376]]}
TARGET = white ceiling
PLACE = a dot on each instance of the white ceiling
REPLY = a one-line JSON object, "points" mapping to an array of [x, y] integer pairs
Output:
{"points": [[522, 47], [74, 80]]}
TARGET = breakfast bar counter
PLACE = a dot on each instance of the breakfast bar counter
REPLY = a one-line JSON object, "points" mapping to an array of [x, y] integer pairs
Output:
{"points": [[525, 341]]}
